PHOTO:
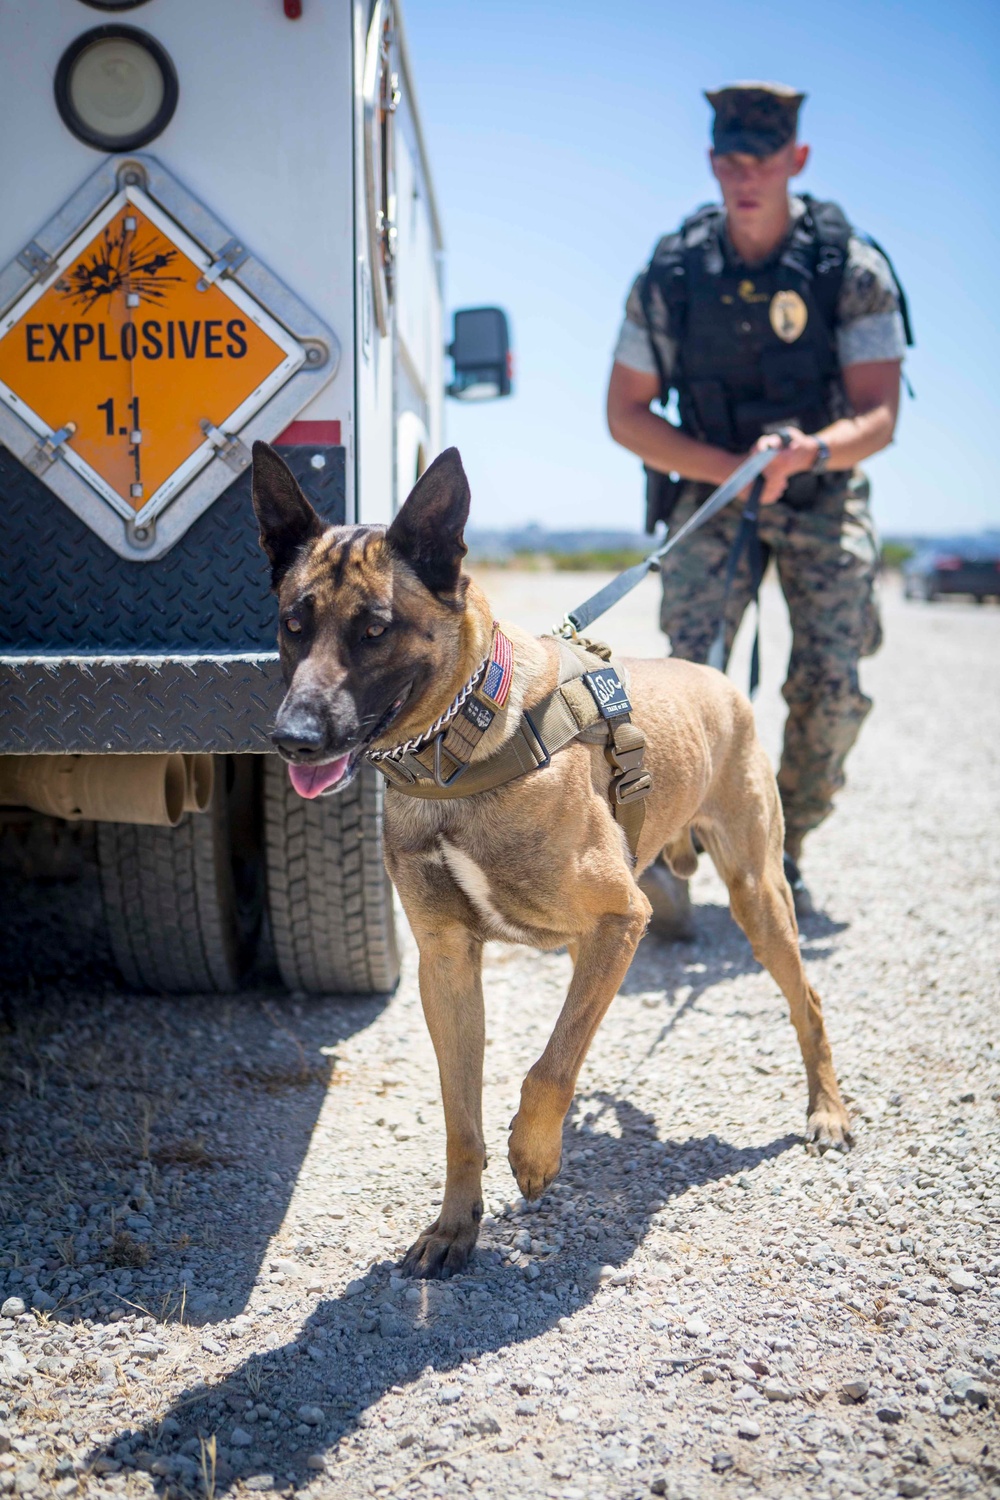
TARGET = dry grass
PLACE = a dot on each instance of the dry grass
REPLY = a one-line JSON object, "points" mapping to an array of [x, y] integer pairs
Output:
{"points": [[208, 1465], [255, 1375], [126, 1250], [278, 1078], [190, 1151]]}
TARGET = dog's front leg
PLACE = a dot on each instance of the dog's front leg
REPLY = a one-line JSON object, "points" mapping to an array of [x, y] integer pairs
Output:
{"points": [[451, 992], [602, 959]]}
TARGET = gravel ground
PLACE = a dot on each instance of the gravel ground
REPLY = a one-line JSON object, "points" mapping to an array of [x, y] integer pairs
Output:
{"points": [[201, 1202]]}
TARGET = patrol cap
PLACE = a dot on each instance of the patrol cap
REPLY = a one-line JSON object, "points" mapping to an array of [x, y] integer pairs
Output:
{"points": [[755, 118]]}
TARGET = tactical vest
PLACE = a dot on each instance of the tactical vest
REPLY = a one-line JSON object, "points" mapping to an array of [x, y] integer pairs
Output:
{"points": [[755, 346]]}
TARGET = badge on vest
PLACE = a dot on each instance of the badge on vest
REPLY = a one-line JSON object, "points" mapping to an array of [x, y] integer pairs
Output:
{"points": [[789, 316], [609, 694]]}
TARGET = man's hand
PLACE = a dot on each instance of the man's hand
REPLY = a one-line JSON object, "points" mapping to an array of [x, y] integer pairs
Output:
{"points": [[796, 457]]}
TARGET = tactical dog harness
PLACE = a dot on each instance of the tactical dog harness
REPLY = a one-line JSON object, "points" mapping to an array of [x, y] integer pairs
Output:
{"points": [[590, 703]]}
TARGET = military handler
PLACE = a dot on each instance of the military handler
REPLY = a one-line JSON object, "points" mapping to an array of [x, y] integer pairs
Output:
{"points": [[769, 312]]}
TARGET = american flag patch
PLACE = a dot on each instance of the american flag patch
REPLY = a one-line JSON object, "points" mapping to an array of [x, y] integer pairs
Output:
{"points": [[500, 671]]}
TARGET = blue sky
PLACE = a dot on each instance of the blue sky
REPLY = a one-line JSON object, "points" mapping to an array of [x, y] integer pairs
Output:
{"points": [[565, 139]]}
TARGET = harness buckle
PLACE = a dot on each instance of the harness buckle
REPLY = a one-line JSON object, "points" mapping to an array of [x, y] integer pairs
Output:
{"points": [[625, 761], [632, 785]]}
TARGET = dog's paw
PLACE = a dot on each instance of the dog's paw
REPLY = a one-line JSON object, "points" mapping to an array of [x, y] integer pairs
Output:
{"points": [[829, 1129], [440, 1253], [534, 1153]]}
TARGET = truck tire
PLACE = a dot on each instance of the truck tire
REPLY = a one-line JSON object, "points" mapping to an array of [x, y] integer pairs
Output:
{"points": [[183, 906], [329, 897]]}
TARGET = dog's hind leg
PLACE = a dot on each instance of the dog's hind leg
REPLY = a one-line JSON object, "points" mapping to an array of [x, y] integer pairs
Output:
{"points": [[748, 857], [451, 992], [602, 959]]}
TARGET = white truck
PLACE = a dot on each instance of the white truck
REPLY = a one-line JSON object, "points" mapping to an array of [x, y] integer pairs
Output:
{"points": [[218, 225]]}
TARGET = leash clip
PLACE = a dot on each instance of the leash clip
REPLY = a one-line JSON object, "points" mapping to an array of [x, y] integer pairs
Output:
{"points": [[566, 630]]}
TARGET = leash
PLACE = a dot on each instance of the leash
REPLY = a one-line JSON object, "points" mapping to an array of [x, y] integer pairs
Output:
{"points": [[598, 604], [747, 540]]}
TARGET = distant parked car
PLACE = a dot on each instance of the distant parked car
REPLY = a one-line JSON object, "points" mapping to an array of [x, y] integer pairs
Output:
{"points": [[965, 565]]}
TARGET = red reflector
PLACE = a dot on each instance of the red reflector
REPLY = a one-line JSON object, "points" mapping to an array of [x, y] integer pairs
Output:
{"points": [[319, 434], [293, 9]]}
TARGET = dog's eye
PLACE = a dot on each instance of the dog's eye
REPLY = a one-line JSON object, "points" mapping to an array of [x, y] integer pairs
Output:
{"points": [[374, 631], [293, 626]]}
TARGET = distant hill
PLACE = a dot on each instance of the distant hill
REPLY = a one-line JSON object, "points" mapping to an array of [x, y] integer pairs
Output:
{"points": [[619, 549]]}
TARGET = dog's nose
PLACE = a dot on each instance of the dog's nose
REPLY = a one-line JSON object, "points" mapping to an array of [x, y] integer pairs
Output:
{"points": [[300, 737]]}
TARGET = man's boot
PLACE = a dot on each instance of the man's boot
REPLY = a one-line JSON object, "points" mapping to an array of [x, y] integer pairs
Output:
{"points": [[800, 891], [668, 895]]}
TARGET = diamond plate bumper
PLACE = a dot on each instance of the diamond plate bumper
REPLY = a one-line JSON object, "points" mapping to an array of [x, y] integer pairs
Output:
{"points": [[221, 704]]}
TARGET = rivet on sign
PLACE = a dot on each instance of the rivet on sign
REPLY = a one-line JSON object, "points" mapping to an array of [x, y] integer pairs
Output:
{"points": [[131, 225], [136, 491], [318, 461], [313, 356], [132, 299], [141, 533]]}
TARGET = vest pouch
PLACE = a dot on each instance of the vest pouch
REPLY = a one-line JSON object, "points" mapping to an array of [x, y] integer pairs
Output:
{"points": [[662, 494], [803, 491], [713, 418]]}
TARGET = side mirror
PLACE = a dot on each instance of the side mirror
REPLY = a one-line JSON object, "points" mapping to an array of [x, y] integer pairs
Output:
{"points": [[480, 350]]}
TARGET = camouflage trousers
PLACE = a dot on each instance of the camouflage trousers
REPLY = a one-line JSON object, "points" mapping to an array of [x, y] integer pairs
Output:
{"points": [[826, 557]]}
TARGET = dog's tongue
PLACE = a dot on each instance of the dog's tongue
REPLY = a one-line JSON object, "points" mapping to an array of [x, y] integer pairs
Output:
{"points": [[311, 781]]}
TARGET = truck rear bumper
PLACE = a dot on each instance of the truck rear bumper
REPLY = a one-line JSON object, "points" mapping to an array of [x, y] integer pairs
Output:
{"points": [[221, 704]]}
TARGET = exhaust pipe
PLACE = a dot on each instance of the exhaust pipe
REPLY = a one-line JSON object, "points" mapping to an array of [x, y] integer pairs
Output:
{"points": [[152, 789], [199, 782]]}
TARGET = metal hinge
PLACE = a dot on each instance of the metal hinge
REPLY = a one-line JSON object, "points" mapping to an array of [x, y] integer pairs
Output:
{"points": [[45, 452], [229, 449], [229, 259], [37, 261]]}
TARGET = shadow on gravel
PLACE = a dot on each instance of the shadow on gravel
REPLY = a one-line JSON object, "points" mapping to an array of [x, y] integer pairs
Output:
{"points": [[387, 1333], [719, 952], [149, 1145]]}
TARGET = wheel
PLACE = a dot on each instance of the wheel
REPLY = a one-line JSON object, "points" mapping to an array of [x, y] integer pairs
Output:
{"points": [[183, 906], [329, 897]]}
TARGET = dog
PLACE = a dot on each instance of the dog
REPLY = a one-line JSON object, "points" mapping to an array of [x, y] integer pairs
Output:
{"points": [[379, 630]]}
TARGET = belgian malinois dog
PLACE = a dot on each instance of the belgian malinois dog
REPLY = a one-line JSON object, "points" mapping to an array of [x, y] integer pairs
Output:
{"points": [[379, 630]]}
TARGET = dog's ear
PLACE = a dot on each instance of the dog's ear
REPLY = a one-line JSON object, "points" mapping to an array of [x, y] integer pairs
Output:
{"points": [[287, 521], [427, 532]]}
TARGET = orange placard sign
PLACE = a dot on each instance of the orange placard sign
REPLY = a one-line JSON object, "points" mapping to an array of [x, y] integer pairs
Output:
{"points": [[127, 347]]}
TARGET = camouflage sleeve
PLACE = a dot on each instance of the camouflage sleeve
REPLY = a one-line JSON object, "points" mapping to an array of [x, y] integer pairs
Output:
{"points": [[633, 347], [869, 323]]}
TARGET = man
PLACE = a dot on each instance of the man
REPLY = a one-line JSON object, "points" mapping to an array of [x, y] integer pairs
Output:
{"points": [[769, 313]]}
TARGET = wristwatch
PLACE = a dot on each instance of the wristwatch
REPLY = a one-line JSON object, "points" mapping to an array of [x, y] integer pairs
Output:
{"points": [[822, 457]]}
